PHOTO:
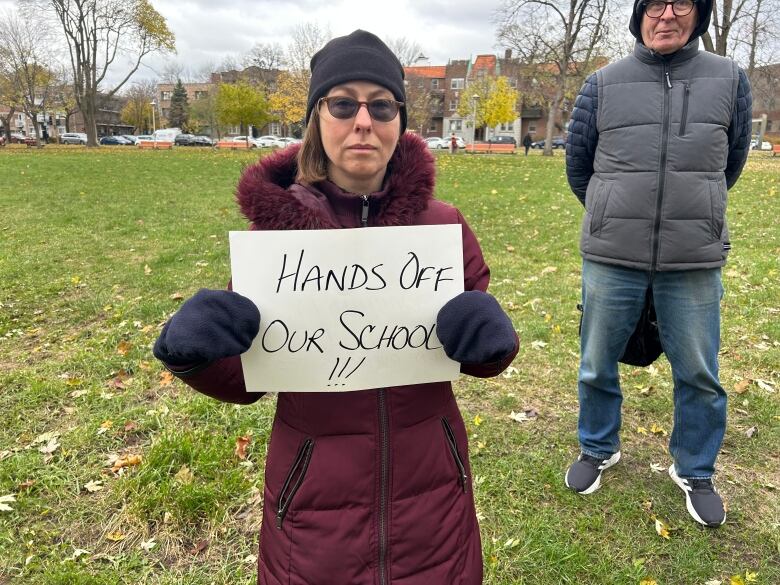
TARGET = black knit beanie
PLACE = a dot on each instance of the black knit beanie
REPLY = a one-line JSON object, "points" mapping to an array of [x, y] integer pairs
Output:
{"points": [[359, 56]]}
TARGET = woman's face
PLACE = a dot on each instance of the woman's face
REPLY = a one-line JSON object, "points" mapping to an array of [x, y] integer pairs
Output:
{"points": [[358, 148]]}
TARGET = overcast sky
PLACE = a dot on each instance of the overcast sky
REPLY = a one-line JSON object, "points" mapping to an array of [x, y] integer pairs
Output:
{"points": [[207, 31]]}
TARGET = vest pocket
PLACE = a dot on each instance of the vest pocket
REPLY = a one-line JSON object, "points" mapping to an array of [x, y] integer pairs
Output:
{"points": [[597, 215], [453, 445], [717, 209], [293, 480]]}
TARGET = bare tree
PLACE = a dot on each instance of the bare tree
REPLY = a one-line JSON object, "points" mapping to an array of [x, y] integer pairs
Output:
{"points": [[96, 34], [408, 52], [420, 103], [307, 39], [559, 39], [755, 40], [265, 56], [23, 49]]}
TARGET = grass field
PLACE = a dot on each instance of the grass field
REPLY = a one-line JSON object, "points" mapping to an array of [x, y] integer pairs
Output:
{"points": [[111, 472]]}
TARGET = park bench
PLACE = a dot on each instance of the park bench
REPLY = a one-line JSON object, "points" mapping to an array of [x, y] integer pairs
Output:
{"points": [[155, 144], [775, 149], [489, 148], [234, 145]]}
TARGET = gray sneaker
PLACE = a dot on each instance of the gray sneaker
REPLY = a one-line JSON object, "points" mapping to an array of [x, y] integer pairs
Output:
{"points": [[701, 498], [584, 475]]}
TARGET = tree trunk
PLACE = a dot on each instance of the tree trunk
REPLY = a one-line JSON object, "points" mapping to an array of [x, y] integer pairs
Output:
{"points": [[88, 112], [706, 40], [551, 112]]}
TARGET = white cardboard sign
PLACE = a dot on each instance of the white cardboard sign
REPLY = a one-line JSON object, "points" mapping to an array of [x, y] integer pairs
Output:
{"points": [[347, 309]]}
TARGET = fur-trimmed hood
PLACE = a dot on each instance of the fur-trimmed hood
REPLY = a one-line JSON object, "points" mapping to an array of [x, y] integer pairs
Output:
{"points": [[270, 199]]}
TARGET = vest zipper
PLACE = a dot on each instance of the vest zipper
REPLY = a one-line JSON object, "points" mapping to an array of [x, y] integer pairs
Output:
{"points": [[383, 482], [463, 479], [364, 212], [300, 465], [684, 118], [661, 171]]}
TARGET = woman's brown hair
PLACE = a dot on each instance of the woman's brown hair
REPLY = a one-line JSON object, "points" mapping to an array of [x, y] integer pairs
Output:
{"points": [[312, 160]]}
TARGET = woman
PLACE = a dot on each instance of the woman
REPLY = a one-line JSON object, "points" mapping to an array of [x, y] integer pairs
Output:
{"points": [[371, 486]]}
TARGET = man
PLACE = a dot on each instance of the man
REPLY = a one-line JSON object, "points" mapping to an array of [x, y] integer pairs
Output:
{"points": [[655, 141], [527, 142]]}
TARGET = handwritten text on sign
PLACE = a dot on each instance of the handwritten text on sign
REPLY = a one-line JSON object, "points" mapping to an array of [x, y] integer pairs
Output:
{"points": [[347, 309]]}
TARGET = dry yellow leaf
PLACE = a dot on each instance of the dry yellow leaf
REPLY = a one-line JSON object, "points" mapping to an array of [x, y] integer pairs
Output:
{"points": [[241, 445], [93, 486], [129, 461], [641, 430], [166, 378], [184, 475], [742, 386], [648, 582], [123, 347], [115, 536], [477, 420], [662, 529], [657, 430]]}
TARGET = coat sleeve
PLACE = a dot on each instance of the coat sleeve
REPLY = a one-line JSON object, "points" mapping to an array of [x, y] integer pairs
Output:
{"points": [[582, 138], [739, 130], [476, 276]]}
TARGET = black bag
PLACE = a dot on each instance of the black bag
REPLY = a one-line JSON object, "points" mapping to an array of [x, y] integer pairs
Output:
{"points": [[644, 345]]}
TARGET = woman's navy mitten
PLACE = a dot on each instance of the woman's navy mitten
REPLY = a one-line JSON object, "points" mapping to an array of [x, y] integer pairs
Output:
{"points": [[211, 325], [474, 329]]}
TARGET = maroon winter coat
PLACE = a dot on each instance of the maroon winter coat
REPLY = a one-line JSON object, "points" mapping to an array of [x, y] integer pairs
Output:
{"points": [[370, 487]]}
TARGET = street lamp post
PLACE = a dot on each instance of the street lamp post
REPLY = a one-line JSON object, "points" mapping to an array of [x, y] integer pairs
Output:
{"points": [[153, 103], [474, 99]]}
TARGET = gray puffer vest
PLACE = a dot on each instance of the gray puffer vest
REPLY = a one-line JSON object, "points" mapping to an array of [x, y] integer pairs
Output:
{"points": [[657, 198]]}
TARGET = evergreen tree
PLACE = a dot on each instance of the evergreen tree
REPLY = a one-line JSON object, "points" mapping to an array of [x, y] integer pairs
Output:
{"points": [[178, 115]]}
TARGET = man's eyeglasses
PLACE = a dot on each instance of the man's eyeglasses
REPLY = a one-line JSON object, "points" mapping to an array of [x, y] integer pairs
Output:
{"points": [[656, 8], [344, 108]]}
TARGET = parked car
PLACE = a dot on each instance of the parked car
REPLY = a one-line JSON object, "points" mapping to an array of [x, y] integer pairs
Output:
{"points": [[287, 140], [114, 141], [557, 142], [132, 139], [764, 145], [503, 140], [17, 137], [192, 140], [144, 138], [460, 142], [73, 138], [435, 143], [253, 142], [269, 141], [166, 134]]}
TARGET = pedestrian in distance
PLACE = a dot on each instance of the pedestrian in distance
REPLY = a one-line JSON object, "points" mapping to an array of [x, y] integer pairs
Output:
{"points": [[371, 486], [655, 142], [527, 142], [453, 143]]}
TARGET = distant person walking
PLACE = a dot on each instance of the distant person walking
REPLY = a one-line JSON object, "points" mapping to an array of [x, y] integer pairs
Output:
{"points": [[527, 142], [453, 144], [655, 142]]}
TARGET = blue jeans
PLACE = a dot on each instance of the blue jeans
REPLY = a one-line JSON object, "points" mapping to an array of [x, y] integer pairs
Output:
{"points": [[687, 305]]}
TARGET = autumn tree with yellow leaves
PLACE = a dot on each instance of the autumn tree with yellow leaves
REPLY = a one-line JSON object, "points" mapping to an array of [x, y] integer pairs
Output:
{"points": [[496, 102], [288, 102]]}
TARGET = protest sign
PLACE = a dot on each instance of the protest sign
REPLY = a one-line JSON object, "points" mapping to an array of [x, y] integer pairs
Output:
{"points": [[347, 309]]}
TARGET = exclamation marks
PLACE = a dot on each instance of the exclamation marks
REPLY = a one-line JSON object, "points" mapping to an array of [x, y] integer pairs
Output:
{"points": [[338, 380]]}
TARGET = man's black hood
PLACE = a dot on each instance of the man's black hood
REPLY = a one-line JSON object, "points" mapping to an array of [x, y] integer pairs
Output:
{"points": [[704, 8]]}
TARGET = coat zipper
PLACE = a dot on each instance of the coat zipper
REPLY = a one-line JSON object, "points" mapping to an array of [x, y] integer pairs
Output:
{"points": [[463, 479], [364, 212], [684, 118], [383, 487], [662, 171], [301, 464]]}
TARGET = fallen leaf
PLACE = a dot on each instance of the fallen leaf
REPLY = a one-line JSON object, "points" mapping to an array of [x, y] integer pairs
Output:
{"points": [[123, 347], [510, 248], [657, 430], [538, 344], [78, 393], [4, 501], [49, 447], [647, 505], [524, 416], [648, 582], [241, 445], [166, 378], [93, 486], [548, 270], [751, 431], [742, 386], [477, 420], [510, 371], [736, 580], [713, 582], [657, 467], [764, 385], [177, 296], [78, 552], [148, 545], [641, 430], [147, 270], [26, 485], [45, 437], [751, 577], [184, 475], [130, 426], [662, 529], [115, 536], [200, 547], [129, 461]]}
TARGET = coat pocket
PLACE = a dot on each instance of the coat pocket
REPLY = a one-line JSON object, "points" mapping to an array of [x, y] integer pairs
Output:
{"points": [[599, 206], [453, 445], [684, 115], [717, 208], [293, 480]]}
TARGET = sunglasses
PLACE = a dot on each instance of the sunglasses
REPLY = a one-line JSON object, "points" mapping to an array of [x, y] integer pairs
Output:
{"points": [[656, 8], [345, 108]]}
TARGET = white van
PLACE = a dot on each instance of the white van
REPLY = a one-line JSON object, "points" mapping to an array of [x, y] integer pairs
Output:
{"points": [[166, 134]]}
